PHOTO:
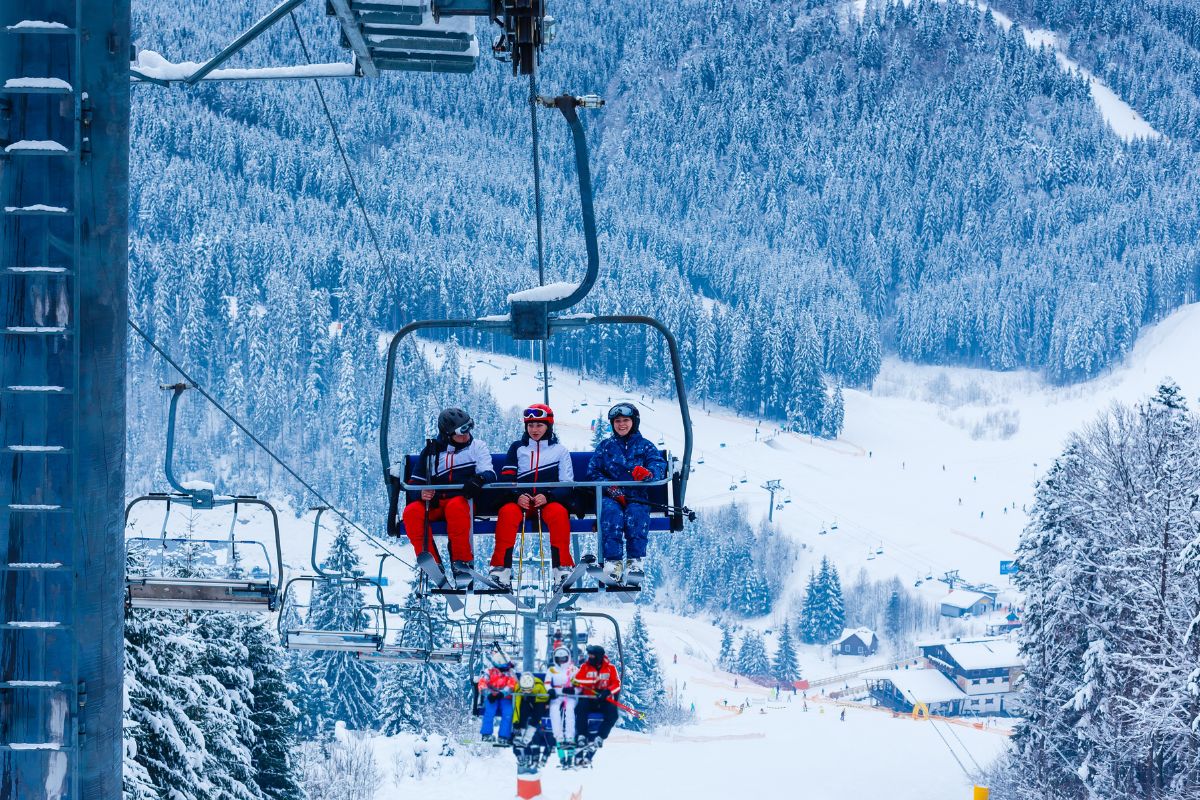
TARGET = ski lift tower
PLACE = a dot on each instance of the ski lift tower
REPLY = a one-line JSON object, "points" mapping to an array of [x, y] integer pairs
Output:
{"points": [[772, 486], [64, 192]]}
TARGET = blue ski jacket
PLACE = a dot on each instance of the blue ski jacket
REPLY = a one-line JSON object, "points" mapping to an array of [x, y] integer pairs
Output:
{"points": [[616, 457]]}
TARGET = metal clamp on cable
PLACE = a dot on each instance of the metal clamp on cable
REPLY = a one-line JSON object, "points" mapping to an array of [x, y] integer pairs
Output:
{"points": [[571, 101]]}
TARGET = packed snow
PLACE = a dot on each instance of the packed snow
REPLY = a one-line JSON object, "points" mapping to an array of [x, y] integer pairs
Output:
{"points": [[150, 64], [35, 144], [37, 83], [547, 293]]}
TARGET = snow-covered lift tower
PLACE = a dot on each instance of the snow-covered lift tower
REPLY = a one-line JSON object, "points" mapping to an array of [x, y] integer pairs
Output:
{"points": [[64, 144]]}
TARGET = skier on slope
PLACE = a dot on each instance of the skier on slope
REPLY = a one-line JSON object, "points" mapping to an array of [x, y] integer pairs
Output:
{"points": [[598, 684], [536, 457], [625, 456], [562, 708], [496, 687], [453, 457]]}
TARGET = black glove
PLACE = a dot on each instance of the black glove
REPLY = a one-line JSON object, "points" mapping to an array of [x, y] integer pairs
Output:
{"points": [[551, 693], [493, 695], [603, 694], [473, 486], [568, 690]]}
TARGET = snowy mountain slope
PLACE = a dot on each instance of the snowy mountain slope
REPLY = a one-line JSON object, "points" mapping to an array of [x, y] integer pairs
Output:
{"points": [[1118, 114], [773, 748]]}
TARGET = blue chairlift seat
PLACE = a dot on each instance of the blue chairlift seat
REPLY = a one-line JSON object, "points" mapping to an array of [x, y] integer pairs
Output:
{"points": [[583, 501]]}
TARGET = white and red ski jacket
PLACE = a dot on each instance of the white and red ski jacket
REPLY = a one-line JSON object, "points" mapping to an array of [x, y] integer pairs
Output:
{"points": [[589, 679]]}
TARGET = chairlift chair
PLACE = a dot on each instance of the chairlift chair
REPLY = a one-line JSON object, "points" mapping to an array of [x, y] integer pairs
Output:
{"points": [[368, 633], [234, 573], [535, 315]]}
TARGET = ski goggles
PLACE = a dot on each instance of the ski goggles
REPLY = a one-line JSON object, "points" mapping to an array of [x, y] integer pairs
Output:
{"points": [[535, 414], [621, 410], [466, 427]]}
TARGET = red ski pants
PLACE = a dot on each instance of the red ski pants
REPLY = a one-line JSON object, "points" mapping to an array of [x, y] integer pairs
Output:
{"points": [[554, 516], [456, 511]]}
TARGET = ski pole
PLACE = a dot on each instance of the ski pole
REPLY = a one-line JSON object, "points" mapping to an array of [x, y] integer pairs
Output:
{"points": [[684, 510], [636, 714]]}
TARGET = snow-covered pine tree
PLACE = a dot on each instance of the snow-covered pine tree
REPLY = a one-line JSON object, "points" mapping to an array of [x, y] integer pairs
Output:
{"points": [[831, 617], [170, 747], [725, 659], [809, 626], [425, 696], [833, 416], [274, 714], [892, 619], [643, 687], [347, 683], [1110, 654], [786, 668], [223, 709], [752, 657], [600, 431]]}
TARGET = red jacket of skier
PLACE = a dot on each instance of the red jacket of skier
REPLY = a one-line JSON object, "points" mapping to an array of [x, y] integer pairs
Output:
{"points": [[497, 680], [589, 678]]}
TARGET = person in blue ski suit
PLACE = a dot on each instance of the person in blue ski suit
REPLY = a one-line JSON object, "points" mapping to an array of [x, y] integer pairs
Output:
{"points": [[496, 690], [626, 455]]}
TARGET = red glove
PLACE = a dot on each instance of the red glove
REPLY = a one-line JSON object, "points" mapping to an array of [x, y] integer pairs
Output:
{"points": [[640, 473], [620, 498]]}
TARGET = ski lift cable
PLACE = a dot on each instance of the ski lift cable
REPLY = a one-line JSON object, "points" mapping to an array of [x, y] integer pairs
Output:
{"points": [[963, 745], [261, 444], [337, 139], [953, 754]]}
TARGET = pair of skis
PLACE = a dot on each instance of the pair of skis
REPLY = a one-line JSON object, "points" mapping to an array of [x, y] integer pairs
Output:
{"points": [[464, 583]]}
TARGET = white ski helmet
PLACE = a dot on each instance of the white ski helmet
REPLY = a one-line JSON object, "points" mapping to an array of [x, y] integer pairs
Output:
{"points": [[561, 655]]}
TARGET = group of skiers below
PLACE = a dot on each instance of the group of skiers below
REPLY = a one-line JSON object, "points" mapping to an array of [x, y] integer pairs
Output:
{"points": [[456, 456], [580, 704]]}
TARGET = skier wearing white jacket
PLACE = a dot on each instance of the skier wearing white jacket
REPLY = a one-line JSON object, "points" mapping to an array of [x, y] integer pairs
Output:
{"points": [[562, 706]]}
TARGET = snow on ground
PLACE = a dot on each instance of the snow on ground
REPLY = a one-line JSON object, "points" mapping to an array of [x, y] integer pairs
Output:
{"points": [[775, 747]]}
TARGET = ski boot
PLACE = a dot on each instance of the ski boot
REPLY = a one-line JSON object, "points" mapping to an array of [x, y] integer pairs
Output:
{"points": [[462, 573], [487, 738], [612, 570], [560, 576], [502, 577], [635, 571], [566, 755]]}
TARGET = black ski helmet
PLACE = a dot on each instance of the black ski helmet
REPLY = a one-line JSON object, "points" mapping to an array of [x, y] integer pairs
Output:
{"points": [[452, 421], [595, 651], [626, 410]]}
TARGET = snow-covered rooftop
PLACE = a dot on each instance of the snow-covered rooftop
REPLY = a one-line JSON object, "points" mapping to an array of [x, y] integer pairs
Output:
{"points": [[866, 635], [961, 598], [988, 654], [920, 685]]}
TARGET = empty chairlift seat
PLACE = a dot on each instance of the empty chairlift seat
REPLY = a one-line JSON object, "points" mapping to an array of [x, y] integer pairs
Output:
{"points": [[405, 35], [183, 569]]}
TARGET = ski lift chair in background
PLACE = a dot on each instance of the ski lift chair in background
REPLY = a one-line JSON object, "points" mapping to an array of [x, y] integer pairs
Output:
{"points": [[175, 571], [366, 634]]}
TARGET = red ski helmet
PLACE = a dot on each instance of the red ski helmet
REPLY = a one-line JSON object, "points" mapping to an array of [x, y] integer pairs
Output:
{"points": [[538, 412]]}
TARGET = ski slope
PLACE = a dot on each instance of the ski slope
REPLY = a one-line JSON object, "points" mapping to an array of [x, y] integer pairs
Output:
{"points": [[772, 749]]}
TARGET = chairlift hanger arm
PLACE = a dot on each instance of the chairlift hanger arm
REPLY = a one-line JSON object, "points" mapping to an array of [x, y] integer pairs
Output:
{"points": [[567, 323], [243, 39]]}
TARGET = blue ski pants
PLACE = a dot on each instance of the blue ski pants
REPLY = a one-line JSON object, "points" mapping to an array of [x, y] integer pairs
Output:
{"points": [[622, 526], [504, 707]]}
